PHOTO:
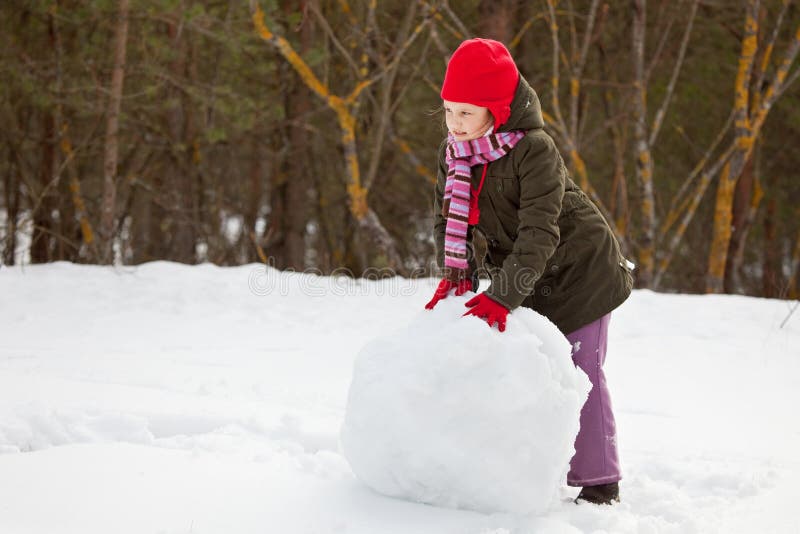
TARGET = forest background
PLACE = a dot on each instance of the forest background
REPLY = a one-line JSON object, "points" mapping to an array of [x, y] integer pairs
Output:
{"points": [[303, 134]]}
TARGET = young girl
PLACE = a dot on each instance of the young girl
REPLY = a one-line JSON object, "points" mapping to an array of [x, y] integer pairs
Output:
{"points": [[548, 246]]}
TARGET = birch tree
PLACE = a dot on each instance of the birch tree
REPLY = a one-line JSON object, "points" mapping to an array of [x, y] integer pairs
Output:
{"points": [[751, 107]]}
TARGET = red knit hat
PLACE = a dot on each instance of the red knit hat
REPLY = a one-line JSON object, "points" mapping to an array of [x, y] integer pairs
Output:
{"points": [[481, 72]]}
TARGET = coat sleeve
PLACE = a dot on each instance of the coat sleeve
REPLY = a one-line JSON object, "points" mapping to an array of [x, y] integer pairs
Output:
{"points": [[541, 179]]}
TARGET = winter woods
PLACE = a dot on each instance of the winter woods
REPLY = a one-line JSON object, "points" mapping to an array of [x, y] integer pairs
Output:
{"points": [[305, 133]]}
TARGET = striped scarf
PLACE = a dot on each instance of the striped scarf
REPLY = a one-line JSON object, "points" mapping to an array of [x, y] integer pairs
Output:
{"points": [[460, 202]]}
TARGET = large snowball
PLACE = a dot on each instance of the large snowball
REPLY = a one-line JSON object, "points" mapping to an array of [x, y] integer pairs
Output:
{"points": [[452, 413]]}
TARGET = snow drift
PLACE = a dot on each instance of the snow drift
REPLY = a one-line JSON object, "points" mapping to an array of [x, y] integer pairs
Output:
{"points": [[449, 412]]}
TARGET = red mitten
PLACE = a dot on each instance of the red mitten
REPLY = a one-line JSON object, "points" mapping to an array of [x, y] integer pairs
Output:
{"points": [[489, 310], [444, 288]]}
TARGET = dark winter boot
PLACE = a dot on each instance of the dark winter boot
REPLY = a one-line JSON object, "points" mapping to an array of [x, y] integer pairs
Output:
{"points": [[601, 494]]}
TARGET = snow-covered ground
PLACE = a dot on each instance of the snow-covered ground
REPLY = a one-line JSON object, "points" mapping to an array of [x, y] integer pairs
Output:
{"points": [[174, 399]]}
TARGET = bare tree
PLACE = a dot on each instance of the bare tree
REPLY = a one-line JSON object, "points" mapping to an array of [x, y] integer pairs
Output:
{"points": [[111, 153]]}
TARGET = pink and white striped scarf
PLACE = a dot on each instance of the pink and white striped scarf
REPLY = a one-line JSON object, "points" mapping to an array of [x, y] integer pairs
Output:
{"points": [[456, 205]]}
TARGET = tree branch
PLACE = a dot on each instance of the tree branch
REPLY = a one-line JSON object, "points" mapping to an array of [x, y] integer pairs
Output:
{"points": [[465, 33], [659, 118], [326, 27]]}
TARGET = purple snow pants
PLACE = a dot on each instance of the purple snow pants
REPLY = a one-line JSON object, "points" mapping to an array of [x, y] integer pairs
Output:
{"points": [[595, 461]]}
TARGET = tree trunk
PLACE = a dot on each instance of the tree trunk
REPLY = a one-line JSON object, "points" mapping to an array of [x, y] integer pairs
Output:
{"points": [[276, 222], [111, 150], [721, 233], [73, 205], [297, 179], [68, 221], [43, 202], [741, 202], [496, 19], [290, 183], [12, 188], [180, 190], [66, 228], [644, 158], [771, 277], [794, 270], [144, 228], [253, 205], [745, 201]]}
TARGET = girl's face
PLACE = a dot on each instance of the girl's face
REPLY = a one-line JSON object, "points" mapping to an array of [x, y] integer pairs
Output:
{"points": [[465, 121]]}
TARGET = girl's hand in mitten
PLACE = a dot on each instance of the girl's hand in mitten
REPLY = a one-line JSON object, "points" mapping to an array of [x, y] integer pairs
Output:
{"points": [[489, 310], [444, 288]]}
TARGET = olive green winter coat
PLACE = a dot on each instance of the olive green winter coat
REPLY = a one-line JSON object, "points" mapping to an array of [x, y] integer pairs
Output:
{"points": [[548, 246]]}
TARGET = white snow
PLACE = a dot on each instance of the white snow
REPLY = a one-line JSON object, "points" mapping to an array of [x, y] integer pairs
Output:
{"points": [[175, 399], [449, 412]]}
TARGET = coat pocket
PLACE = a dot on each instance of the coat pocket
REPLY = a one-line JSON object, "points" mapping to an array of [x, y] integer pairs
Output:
{"points": [[504, 188], [563, 276], [501, 193]]}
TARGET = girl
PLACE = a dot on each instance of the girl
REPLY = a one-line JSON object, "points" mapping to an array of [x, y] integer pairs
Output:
{"points": [[548, 246]]}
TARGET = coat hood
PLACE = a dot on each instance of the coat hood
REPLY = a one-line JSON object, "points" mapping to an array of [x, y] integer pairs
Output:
{"points": [[526, 110]]}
